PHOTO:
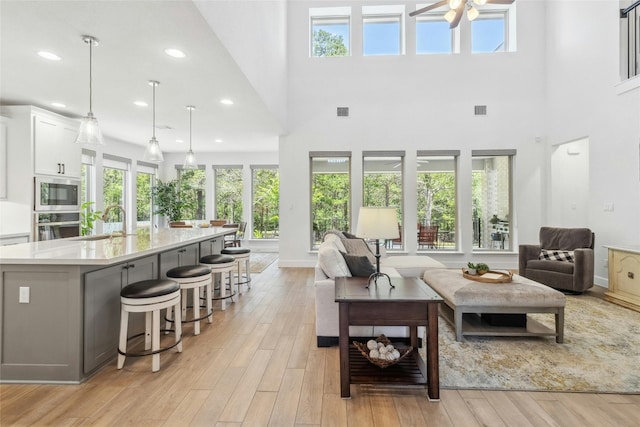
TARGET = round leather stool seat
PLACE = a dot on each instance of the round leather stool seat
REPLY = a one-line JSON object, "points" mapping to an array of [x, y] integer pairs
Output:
{"points": [[149, 288], [235, 251], [217, 259], [188, 271]]}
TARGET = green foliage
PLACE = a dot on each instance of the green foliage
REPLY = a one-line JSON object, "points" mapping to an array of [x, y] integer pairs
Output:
{"points": [[88, 217], [330, 200], [437, 199], [327, 44], [193, 182], [113, 191], [266, 202], [383, 189], [168, 200], [229, 194], [482, 268], [143, 196]]}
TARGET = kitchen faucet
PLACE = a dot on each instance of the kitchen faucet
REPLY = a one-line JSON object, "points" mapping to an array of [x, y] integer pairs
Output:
{"points": [[124, 217]]}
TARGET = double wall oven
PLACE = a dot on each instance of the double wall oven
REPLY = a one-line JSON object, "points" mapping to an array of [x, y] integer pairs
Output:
{"points": [[57, 208]]}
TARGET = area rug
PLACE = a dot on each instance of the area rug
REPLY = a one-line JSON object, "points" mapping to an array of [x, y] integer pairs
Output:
{"points": [[600, 354], [261, 260]]}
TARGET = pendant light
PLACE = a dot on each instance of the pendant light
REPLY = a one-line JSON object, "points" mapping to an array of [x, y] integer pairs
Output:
{"points": [[89, 132], [190, 160], [153, 153]]}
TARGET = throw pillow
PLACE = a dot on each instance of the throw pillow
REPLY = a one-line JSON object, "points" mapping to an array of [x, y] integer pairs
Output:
{"points": [[337, 241], [556, 255], [328, 232], [360, 266], [332, 262], [358, 247]]}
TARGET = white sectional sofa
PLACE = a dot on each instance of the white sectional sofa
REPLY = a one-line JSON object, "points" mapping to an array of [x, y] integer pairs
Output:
{"points": [[331, 264]]}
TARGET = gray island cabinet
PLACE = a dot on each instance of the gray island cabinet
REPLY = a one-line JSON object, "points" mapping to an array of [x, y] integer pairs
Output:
{"points": [[60, 299]]}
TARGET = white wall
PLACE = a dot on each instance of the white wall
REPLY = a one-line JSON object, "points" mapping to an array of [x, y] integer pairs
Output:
{"points": [[584, 101], [415, 103], [569, 190]]}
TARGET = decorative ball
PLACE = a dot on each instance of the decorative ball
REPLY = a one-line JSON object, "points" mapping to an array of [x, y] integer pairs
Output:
{"points": [[390, 356], [371, 344], [383, 350], [374, 354], [380, 345], [390, 348], [396, 353]]}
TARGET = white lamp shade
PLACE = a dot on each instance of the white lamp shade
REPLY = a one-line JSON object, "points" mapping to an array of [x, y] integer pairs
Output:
{"points": [[153, 152], [89, 132], [377, 223]]}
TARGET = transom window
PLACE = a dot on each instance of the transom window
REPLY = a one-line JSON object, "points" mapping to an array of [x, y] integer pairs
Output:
{"points": [[382, 30], [329, 31], [433, 35]]}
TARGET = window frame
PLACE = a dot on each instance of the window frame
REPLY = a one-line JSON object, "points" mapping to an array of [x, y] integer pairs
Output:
{"points": [[254, 169], [508, 13], [216, 190], [438, 17], [199, 209], [150, 169], [389, 12], [328, 155], [328, 14], [123, 164]]}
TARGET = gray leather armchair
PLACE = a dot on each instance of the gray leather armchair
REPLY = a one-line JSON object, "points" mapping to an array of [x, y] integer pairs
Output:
{"points": [[576, 276]]}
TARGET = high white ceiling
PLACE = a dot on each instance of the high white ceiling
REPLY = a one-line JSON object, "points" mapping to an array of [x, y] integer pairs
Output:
{"points": [[133, 36]]}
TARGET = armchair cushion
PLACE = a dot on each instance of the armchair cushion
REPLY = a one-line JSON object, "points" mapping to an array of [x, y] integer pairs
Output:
{"points": [[566, 239]]}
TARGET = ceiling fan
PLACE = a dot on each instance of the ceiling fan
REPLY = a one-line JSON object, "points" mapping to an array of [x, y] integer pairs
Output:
{"points": [[454, 14]]}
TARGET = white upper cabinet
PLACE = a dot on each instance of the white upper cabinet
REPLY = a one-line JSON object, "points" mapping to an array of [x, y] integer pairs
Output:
{"points": [[56, 152]]}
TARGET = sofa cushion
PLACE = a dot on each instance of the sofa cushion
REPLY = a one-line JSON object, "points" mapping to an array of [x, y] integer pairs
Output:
{"points": [[359, 265], [331, 261], [336, 240], [358, 247], [556, 255]]}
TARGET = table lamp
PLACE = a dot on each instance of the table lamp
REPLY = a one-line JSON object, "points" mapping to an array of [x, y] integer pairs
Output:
{"points": [[377, 223]]}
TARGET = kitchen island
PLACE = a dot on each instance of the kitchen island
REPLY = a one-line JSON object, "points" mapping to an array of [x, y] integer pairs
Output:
{"points": [[60, 299]]}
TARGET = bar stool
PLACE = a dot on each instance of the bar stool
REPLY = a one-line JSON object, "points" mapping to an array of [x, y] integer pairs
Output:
{"points": [[241, 254], [197, 278], [149, 297], [221, 264]]}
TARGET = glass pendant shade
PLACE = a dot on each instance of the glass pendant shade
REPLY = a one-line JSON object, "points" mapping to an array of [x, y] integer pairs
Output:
{"points": [[89, 132], [153, 152], [190, 160]]}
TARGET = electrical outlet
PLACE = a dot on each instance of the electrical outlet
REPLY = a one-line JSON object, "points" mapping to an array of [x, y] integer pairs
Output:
{"points": [[23, 297], [605, 263]]}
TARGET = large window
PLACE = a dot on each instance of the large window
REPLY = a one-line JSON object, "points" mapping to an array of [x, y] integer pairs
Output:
{"points": [[436, 199], [265, 184], [228, 193], [382, 184], [145, 180], [492, 199], [330, 30], [630, 38], [87, 177], [382, 30], [115, 173], [434, 36], [195, 180], [330, 193]]}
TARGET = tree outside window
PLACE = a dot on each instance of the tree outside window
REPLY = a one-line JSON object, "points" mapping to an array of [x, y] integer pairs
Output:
{"points": [[228, 192], [266, 198], [330, 194], [144, 199], [195, 180], [114, 185], [329, 36]]}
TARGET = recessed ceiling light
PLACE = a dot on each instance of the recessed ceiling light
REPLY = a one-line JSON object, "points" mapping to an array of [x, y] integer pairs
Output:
{"points": [[179, 141], [226, 101], [140, 103], [49, 55], [58, 104], [175, 53], [218, 141]]}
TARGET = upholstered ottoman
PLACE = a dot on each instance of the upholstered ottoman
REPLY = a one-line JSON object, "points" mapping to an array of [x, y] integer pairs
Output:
{"points": [[465, 299]]}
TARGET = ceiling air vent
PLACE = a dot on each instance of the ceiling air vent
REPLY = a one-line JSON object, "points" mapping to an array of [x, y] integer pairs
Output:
{"points": [[480, 110], [343, 111]]}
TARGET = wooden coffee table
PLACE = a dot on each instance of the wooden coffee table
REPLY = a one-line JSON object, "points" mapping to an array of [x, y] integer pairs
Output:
{"points": [[411, 303]]}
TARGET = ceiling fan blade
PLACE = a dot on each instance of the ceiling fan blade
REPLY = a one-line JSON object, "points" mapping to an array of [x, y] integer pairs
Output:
{"points": [[428, 8], [458, 16], [500, 1]]}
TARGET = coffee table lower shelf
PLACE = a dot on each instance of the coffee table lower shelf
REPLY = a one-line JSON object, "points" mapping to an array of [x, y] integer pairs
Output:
{"points": [[410, 370]]}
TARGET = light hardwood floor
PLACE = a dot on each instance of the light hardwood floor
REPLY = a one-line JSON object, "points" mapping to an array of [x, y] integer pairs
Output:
{"points": [[258, 365]]}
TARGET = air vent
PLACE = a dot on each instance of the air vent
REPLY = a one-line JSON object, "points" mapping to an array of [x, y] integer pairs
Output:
{"points": [[343, 111], [480, 110]]}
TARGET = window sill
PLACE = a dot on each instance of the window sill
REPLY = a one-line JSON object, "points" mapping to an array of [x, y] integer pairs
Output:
{"points": [[628, 85]]}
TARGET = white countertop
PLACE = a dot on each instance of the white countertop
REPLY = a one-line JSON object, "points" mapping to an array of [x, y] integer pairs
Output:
{"points": [[106, 251]]}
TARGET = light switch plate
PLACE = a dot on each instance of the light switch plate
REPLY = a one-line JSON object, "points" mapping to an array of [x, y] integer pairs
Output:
{"points": [[23, 298]]}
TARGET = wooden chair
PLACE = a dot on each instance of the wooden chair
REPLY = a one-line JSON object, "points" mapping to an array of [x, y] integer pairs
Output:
{"points": [[428, 236], [179, 224]]}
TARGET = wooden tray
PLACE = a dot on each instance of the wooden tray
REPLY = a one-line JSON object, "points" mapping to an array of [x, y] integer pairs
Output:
{"points": [[505, 277]]}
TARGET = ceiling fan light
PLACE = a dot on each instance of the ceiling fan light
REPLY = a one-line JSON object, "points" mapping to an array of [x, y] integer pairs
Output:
{"points": [[153, 152], [453, 4], [480, 2], [450, 15], [472, 13], [89, 132]]}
